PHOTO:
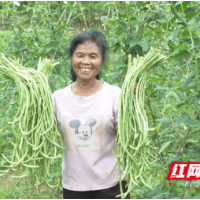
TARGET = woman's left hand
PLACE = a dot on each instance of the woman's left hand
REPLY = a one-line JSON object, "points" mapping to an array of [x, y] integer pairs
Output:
{"points": [[135, 87]]}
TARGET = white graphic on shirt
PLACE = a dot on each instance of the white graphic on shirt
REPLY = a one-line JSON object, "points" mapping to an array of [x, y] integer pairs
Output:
{"points": [[84, 133]]}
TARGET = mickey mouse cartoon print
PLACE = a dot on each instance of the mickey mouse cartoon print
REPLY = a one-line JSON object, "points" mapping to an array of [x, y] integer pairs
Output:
{"points": [[83, 131]]}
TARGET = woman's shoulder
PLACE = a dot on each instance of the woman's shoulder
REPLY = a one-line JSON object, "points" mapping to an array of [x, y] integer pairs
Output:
{"points": [[112, 87], [62, 91]]}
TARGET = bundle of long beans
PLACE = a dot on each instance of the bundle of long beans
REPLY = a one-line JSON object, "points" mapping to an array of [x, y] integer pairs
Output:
{"points": [[132, 145], [45, 66], [36, 136]]}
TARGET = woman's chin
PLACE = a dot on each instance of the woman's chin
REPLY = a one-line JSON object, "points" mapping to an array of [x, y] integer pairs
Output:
{"points": [[85, 77]]}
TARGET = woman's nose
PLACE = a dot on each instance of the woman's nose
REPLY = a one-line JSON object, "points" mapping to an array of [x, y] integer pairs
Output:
{"points": [[86, 60]]}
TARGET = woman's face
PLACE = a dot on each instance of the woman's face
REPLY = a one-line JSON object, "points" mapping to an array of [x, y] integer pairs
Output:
{"points": [[86, 61]]}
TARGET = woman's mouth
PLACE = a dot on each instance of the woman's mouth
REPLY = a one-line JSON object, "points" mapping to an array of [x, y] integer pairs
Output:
{"points": [[85, 70]]}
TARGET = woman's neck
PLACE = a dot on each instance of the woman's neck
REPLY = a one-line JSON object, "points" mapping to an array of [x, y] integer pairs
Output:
{"points": [[83, 88], [84, 85]]}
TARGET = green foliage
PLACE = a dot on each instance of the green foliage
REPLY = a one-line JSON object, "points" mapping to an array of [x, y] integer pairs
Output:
{"points": [[30, 30]]}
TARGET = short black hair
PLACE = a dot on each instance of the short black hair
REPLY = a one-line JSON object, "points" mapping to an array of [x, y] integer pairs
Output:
{"points": [[95, 36]]}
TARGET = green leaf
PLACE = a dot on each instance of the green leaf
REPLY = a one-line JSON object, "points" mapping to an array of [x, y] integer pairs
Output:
{"points": [[169, 38], [153, 192], [164, 146], [178, 2], [164, 131], [163, 120], [187, 82], [127, 2], [172, 21], [190, 15], [193, 99], [16, 3], [196, 196], [198, 88], [173, 11], [197, 159], [163, 20], [193, 123], [28, 8], [161, 94], [174, 160], [176, 32], [192, 21], [41, 50], [51, 86], [54, 48], [135, 23], [103, 18], [183, 6], [158, 196], [182, 17], [183, 117], [144, 45], [133, 42], [175, 95], [115, 73], [68, 81], [71, 8], [119, 84], [140, 19], [186, 119], [123, 25], [142, 3], [185, 33], [168, 194], [181, 55]]}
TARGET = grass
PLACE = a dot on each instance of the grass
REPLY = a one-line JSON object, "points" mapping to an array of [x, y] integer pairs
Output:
{"points": [[4, 37], [24, 189]]}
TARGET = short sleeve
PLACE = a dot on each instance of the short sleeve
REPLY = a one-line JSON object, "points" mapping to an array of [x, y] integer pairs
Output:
{"points": [[116, 107], [54, 105]]}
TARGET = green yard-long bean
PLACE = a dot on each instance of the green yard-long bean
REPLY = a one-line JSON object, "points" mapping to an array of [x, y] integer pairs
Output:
{"points": [[132, 145], [36, 136]]}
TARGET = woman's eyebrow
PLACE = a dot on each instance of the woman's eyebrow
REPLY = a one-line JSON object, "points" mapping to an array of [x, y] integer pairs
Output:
{"points": [[78, 53], [93, 53]]}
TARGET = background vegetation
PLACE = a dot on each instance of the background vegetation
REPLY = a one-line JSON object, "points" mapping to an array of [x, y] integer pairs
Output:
{"points": [[29, 30]]}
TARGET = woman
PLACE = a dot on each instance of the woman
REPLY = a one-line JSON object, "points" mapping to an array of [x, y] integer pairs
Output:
{"points": [[86, 112]]}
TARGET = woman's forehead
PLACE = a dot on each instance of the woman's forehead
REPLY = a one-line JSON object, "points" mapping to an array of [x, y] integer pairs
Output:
{"points": [[88, 46]]}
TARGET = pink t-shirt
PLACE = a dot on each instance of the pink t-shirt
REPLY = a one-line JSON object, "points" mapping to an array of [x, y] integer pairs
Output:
{"points": [[88, 126]]}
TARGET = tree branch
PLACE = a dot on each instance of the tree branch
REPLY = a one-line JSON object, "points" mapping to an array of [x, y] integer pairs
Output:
{"points": [[83, 16], [70, 14]]}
